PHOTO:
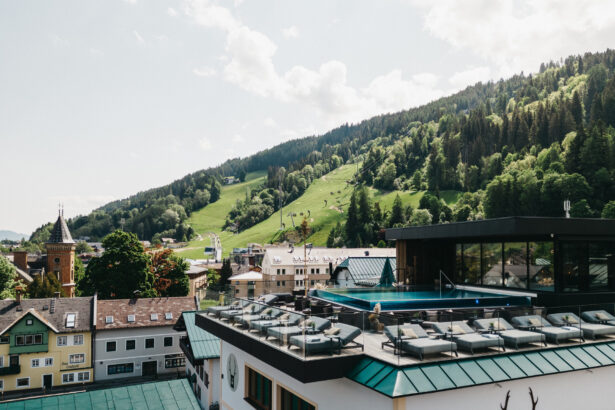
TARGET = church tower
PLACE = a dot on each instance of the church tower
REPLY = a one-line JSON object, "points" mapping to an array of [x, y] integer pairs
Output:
{"points": [[61, 256]]}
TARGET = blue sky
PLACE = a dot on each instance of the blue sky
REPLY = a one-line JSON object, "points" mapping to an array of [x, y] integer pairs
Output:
{"points": [[101, 99]]}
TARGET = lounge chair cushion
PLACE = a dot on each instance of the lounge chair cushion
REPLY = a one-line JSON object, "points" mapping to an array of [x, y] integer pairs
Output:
{"points": [[456, 330], [475, 341], [409, 334], [601, 316], [521, 337], [332, 331], [425, 345]]}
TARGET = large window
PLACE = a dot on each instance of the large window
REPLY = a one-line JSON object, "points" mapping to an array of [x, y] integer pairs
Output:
{"points": [[130, 344], [600, 256], [289, 401], [120, 368], [515, 265], [573, 266], [492, 264], [149, 343], [111, 346], [76, 358], [258, 390], [28, 340], [471, 263], [541, 266]]}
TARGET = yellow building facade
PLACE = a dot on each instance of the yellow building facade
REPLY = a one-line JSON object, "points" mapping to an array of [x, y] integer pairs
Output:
{"points": [[48, 343]]}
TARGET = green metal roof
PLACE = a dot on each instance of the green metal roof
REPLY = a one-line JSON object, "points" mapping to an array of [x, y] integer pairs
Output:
{"points": [[366, 269], [204, 345], [395, 381], [173, 394]]}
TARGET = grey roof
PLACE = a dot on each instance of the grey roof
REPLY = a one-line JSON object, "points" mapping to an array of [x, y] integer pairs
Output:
{"points": [[60, 232], [61, 307], [365, 269]]}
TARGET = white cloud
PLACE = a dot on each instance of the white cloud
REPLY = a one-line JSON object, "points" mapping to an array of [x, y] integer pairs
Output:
{"points": [[270, 122], [290, 32], [138, 37], [172, 12], [250, 66], [470, 76], [205, 144], [237, 138], [58, 41], [204, 72], [517, 35], [96, 53], [131, 1]]}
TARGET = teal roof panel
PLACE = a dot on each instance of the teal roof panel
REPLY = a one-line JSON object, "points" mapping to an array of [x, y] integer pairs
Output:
{"points": [[204, 345], [167, 395], [366, 269], [394, 381], [456, 374], [525, 365]]}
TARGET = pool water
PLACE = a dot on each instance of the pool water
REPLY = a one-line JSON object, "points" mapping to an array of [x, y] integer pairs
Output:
{"points": [[366, 299]]}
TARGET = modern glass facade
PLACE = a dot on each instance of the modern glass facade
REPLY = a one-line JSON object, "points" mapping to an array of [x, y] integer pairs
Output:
{"points": [[585, 266]]}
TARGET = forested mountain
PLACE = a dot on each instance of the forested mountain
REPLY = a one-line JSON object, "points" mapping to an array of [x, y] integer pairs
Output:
{"points": [[515, 147]]}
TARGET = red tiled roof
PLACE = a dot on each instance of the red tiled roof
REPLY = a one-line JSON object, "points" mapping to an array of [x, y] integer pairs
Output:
{"points": [[142, 309]]}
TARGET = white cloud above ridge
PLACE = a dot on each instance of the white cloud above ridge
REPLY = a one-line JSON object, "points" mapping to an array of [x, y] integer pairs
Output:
{"points": [[204, 72], [517, 35], [290, 32], [205, 144], [250, 66]]}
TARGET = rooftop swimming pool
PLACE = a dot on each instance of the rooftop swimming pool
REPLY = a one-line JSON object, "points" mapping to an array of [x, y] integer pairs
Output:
{"points": [[391, 299]]}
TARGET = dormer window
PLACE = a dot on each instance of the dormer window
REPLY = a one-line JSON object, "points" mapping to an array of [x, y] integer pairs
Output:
{"points": [[70, 320], [168, 316], [154, 316], [108, 319], [131, 318]]}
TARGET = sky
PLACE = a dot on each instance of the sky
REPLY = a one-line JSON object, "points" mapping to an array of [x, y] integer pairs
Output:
{"points": [[102, 99]]}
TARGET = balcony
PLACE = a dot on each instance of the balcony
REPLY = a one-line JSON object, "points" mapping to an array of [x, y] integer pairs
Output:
{"points": [[14, 369]]}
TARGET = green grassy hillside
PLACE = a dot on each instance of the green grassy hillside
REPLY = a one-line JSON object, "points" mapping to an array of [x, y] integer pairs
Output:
{"points": [[331, 187]]}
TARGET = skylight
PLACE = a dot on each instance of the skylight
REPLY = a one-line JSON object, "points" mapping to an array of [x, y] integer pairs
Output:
{"points": [[154, 316], [131, 318], [70, 320], [168, 316], [108, 319]]}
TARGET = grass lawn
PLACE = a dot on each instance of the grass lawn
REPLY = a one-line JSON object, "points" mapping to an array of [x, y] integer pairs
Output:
{"points": [[205, 303], [322, 216]]}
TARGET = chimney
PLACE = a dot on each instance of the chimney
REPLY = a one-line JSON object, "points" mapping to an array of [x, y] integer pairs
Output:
{"points": [[366, 253], [56, 295], [18, 291], [20, 259]]}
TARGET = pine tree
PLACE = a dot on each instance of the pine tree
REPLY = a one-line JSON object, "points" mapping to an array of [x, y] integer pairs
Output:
{"points": [[576, 110], [352, 222], [397, 213]]}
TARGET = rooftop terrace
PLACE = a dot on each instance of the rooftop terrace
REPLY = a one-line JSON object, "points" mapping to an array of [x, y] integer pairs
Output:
{"points": [[581, 336]]}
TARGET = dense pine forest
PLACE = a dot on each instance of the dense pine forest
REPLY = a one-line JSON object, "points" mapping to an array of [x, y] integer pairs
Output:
{"points": [[514, 147]]}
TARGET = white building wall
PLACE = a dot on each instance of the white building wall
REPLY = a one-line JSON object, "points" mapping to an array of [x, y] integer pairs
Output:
{"points": [[208, 394], [102, 358], [326, 395], [584, 389]]}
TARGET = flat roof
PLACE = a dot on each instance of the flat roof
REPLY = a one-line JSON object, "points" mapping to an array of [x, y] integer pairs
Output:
{"points": [[172, 394], [521, 226]]}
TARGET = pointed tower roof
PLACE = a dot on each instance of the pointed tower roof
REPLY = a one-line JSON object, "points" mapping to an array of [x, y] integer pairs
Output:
{"points": [[387, 278], [60, 232]]}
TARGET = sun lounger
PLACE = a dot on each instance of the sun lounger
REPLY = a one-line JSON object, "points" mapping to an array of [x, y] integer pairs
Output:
{"points": [[283, 333], [340, 336], [281, 321], [251, 309], [414, 340], [267, 314], [512, 337], [599, 316], [570, 320], [553, 334], [217, 310], [466, 338]]}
